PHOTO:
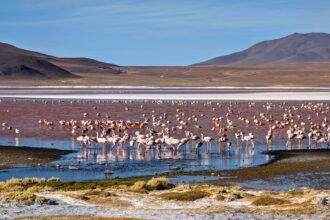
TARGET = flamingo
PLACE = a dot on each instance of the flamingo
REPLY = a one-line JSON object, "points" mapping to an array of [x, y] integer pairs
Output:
{"points": [[321, 140], [159, 142], [300, 137], [310, 135], [269, 137], [149, 143], [291, 135], [238, 136], [100, 139], [183, 142], [17, 131], [207, 140], [223, 140], [249, 139], [83, 139], [174, 143]]}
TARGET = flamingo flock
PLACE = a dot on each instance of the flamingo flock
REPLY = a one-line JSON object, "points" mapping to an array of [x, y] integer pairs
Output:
{"points": [[154, 124]]}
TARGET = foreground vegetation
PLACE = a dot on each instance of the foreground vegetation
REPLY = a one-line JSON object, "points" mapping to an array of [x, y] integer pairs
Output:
{"points": [[190, 195], [123, 192], [268, 200], [24, 190]]}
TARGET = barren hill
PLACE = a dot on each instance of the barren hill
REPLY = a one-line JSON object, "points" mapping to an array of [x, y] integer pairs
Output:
{"points": [[295, 48]]}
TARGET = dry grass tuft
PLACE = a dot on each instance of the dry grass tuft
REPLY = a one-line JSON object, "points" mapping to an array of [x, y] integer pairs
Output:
{"points": [[98, 192], [268, 200], [79, 195], [220, 197], [139, 186], [23, 190], [159, 183], [234, 196], [191, 195]]}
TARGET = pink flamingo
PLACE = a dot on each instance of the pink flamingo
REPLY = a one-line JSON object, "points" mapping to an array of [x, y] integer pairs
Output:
{"points": [[207, 140]]}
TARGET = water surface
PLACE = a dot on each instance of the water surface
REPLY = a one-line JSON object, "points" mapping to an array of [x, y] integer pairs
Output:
{"points": [[125, 162]]}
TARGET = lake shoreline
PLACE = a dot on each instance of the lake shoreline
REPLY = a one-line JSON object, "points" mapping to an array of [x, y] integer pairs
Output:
{"points": [[283, 163], [12, 156], [139, 197]]}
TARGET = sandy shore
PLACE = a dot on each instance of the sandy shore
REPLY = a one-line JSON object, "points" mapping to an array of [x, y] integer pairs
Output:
{"points": [[164, 87], [168, 93], [11, 156], [247, 96]]}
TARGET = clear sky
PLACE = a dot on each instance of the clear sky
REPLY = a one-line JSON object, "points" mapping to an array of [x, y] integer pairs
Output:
{"points": [[155, 32]]}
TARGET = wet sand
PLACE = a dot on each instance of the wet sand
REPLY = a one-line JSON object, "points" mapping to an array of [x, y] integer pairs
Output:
{"points": [[289, 169], [14, 156]]}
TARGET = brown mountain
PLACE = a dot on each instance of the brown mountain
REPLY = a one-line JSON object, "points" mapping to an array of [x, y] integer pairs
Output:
{"points": [[295, 48], [16, 63]]}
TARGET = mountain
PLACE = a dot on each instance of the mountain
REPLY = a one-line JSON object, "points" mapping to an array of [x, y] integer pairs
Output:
{"points": [[295, 48], [16, 63]]}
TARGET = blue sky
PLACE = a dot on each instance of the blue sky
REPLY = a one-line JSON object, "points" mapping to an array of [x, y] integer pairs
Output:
{"points": [[155, 32]]}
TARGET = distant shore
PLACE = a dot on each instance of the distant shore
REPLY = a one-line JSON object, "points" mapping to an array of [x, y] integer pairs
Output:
{"points": [[169, 93], [164, 87]]}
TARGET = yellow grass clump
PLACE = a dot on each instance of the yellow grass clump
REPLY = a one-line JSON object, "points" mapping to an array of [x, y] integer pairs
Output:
{"points": [[139, 186], [268, 200], [98, 192], [220, 197], [159, 183], [23, 190], [191, 195], [79, 196]]}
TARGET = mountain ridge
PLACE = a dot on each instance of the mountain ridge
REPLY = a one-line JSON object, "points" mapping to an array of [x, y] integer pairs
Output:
{"points": [[23, 64], [294, 48]]}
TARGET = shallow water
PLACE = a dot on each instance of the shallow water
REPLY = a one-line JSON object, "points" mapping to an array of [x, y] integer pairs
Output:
{"points": [[124, 162]]}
